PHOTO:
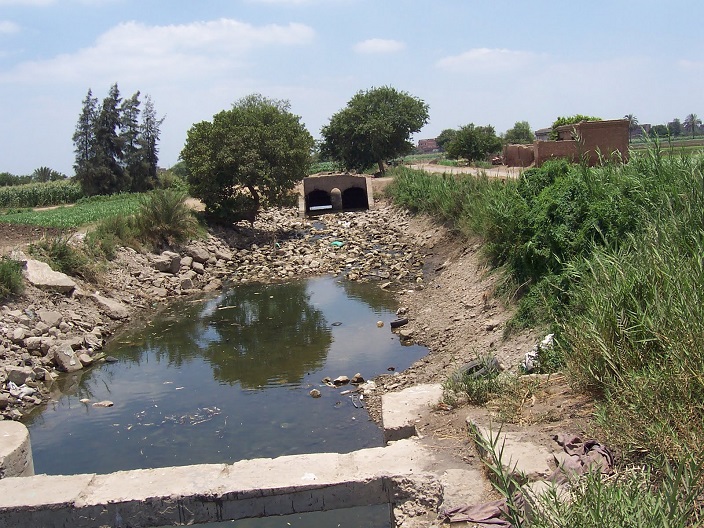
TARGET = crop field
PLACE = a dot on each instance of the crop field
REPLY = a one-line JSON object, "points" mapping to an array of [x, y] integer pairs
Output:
{"points": [[84, 212]]}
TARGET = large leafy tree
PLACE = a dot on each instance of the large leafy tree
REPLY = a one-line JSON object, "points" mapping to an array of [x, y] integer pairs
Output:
{"points": [[675, 127], [445, 137], [473, 143], [519, 134], [376, 125], [246, 157], [84, 136], [692, 124]]}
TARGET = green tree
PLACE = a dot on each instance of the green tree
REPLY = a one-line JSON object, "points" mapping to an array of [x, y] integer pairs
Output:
{"points": [[84, 137], [659, 131], [474, 142], [569, 120], [248, 156], [675, 127], [692, 124], [148, 140], [45, 174], [376, 125], [131, 149], [445, 137], [519, 134], [632, 125]]}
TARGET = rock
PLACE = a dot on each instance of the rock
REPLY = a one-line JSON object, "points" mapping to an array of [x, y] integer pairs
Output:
{"points": [[198, 253], [186, 284], [66, 359], [40, 275], [51, 318], [104, 403], [84, 400], [4, 401], [18, 335], [341, 380], [85, 359], [406, 333], [112, 308], [111, 359], [213, 285], [33, 343], [19, 375], [167, 262], [198, 268], [380, 324], [357, 379], [315, 393], [92, 341]]}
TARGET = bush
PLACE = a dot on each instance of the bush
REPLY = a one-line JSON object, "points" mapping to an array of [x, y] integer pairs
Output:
{"points": [[11, 280], [65, 257], [164, 219]]}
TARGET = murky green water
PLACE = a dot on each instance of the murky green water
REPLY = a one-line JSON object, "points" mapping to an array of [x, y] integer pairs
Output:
{"points": [[226, 379]]}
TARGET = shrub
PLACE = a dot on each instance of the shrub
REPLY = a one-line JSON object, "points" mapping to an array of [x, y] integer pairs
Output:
{"points": [[164, 218], [65, 257], [11, 281]]}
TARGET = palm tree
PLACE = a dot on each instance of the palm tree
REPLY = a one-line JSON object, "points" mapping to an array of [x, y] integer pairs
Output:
{"points": [[632, 124], [692, 123]]}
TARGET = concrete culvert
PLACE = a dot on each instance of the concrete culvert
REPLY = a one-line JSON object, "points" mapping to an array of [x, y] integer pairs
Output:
{"points": [[354, 198], [318, 200]]}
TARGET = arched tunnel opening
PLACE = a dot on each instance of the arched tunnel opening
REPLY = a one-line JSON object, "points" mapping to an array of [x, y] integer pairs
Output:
{"points": [[318, 200], [354, 198]]}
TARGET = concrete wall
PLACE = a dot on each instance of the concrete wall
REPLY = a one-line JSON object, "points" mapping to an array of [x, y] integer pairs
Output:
{"points": [[220, 492], [342, 182], [15, 450]]}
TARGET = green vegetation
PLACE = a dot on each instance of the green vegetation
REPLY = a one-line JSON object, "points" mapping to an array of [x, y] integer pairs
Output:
{"points": [[519, 134], [11, 281], [248, 156], [374, 127], [66, 256], [164, 219], [116, 144], [85, 211], [40, 194], [635, 498], [569, 120], [610, 258]]}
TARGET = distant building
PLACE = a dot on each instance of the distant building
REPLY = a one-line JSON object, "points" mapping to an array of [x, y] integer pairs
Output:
{"points": [[426, 146], [543, 134]]}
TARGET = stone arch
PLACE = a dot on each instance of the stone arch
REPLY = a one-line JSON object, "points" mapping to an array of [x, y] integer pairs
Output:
{"points": [[318, 198]]}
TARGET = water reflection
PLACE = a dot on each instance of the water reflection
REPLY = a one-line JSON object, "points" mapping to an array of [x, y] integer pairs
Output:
{"points": [[226, 378]]}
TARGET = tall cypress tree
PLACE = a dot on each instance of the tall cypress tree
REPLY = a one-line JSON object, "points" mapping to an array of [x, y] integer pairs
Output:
{"points": [[149, 137], [132, 152], [84, 137]]}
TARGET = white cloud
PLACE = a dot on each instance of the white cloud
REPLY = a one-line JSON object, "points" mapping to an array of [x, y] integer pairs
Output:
{"points": [[487, 60], [8, 28], [377, 45], [133, 50]]}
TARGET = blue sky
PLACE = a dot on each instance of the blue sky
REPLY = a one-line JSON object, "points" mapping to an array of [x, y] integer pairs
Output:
{"points": [[490, 62]]}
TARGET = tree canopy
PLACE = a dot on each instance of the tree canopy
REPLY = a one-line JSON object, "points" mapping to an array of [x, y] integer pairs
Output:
{"points": [[473, 142], [569, 120], [248, 156], [115, 149], [519, 134], [376, 125], [445, 137]]}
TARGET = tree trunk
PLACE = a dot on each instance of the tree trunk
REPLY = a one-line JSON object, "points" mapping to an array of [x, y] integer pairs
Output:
{"points": [[382, 170]]}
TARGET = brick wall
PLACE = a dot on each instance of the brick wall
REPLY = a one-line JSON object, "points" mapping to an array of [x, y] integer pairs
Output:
{"points": [[519, 155]]}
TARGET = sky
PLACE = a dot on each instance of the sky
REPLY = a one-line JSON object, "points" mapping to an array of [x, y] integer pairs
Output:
{"points": [[491, 62]]}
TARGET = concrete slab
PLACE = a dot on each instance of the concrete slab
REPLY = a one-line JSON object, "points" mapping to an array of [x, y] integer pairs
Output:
{"points": [[15, 450], [400, 411], [519, 455], [217, 492]]}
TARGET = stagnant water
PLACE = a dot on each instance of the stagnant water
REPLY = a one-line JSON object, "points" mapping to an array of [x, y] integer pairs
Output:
{"points": [[228, 378]]}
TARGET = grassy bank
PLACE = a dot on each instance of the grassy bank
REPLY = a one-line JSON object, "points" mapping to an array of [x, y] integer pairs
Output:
{"points": [[609, 258]]}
